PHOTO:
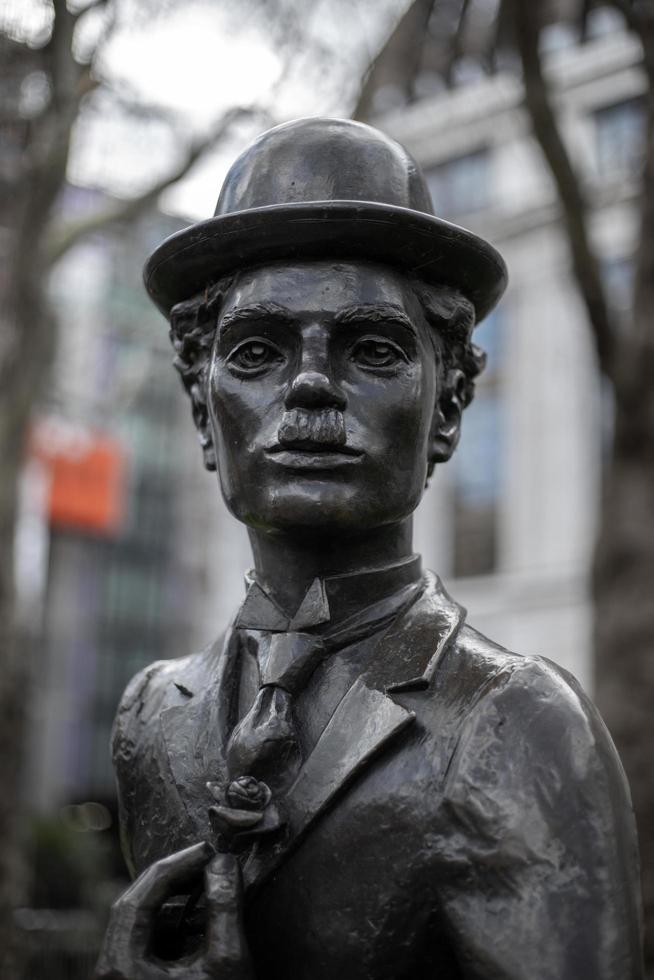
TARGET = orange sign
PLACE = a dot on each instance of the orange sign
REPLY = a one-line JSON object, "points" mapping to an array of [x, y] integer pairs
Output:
{"points": [[86, 473]]}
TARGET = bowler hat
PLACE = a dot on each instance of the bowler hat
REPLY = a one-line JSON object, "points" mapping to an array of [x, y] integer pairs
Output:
{"points": [[325, 188]]}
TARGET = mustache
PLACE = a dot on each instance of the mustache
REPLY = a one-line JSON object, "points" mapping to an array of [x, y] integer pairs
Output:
{"points": [[318, 427]]}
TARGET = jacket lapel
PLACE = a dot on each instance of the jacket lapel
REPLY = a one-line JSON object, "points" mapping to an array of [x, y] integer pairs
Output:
{"points": [[365, 721]]}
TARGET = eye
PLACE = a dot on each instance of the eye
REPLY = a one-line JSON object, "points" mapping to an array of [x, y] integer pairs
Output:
{"points": [[254, 356], [376, 352]]}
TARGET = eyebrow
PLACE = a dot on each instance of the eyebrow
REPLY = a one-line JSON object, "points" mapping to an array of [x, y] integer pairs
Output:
{"points": [[257, 311], [373, 313], [376, 313]]}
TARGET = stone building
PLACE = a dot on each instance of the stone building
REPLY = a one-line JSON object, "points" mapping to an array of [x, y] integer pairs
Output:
{"points": [[510, 522]]}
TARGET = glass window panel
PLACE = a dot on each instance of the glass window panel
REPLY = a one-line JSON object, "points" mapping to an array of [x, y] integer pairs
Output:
{"points": [[476, 462], [475, 540], [603, 21], [620, 138], [461, 185], [618, 275], [488, 336], [476, 468]]}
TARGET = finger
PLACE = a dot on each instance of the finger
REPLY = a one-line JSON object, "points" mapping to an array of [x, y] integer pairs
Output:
{"points": [[129, 932], [227, 953], [133, 914], [167, 877], [117, 959], [126, 933]]}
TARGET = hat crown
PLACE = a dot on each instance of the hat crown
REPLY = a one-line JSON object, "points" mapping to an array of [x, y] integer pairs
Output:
{"points": [[325, 188], [310, 160]]}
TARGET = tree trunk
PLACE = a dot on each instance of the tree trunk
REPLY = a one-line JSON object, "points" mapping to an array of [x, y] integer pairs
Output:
{"points": [[624, 624], [24, 359], [624, 563], [623, 572]]}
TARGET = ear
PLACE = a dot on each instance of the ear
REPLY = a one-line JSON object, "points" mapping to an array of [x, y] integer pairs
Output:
{"points": [[202, 423], [446, 422]]}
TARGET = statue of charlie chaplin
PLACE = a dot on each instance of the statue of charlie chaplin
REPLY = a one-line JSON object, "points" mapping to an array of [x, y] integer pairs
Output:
{"points": [[353, 783]]}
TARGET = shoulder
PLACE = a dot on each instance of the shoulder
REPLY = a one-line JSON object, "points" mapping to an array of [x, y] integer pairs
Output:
{"points": [[535, 790], [528, 693], [528, 684], [475, 684], [160, 685], [529, 732], [469, 668]]}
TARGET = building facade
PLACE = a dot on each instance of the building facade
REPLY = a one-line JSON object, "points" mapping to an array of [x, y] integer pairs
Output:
{"points": [[510, 522]]}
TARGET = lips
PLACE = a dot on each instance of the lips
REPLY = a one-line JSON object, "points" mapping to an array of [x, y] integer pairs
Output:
{"points": [[314, 447], [313, 456]]}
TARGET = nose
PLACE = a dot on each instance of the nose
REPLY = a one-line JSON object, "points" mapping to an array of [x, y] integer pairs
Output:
{"points": [[313, 389]]}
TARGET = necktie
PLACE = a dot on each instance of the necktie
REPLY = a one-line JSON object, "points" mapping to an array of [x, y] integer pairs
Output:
{"points": [[264, 744], [263, 753]]}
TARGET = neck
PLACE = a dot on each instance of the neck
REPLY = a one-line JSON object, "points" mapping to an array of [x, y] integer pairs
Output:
{"points": [[287, 563]]}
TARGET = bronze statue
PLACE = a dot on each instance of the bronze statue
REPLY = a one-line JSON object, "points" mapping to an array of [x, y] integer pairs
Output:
{"points": [[353, 782]]}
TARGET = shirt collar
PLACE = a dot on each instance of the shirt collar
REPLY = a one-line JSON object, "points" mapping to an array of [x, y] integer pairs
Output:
{"points": [[329, 600]]}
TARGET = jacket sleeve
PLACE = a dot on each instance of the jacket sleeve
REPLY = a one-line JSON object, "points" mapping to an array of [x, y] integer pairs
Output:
{"points": [[542, 880], [128, 748]]}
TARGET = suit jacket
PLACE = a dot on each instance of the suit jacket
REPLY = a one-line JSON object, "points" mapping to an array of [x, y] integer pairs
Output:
{"points": [[464, 813]]}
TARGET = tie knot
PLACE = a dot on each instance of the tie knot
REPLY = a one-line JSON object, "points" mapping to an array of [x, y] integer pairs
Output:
{"points": [[289, 659], [264, 743]]}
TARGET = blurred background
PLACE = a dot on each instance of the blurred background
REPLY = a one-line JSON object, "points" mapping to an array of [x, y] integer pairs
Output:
{"points": [[118, 121]]}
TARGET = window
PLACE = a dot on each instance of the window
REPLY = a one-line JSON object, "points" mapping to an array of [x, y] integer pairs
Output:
{"points": [[461, 185], [620, 138], [618, 276], [603, 21], [557, 37], [477, 465]]}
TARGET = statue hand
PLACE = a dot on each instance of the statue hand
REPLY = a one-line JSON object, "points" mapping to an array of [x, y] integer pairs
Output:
{"points": [[125, 953]]}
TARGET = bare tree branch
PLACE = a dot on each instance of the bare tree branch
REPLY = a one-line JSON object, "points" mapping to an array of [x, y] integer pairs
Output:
{"points": [[64, 68], [108, 28], [46, 157], [61, 240], [456, 46], [93, 5], [494, 38], [584, 14], [637, 349], [398, 62], [626, 8], [130, 103], [573, 203]]}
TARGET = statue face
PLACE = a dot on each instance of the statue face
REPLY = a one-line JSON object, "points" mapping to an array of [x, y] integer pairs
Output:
{"points": [[322, 388]]}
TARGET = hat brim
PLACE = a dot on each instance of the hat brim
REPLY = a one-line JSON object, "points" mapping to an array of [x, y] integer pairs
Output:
{"points": [[419, 244]]}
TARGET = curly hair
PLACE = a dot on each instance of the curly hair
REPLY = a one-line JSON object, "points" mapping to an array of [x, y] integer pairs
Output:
{"points": [[192, 332], [452, 317], [193, 327]]}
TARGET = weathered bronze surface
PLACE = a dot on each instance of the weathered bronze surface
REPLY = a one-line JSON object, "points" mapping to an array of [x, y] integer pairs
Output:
{"points": [[353, 782]]}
